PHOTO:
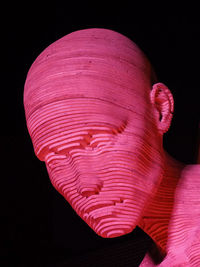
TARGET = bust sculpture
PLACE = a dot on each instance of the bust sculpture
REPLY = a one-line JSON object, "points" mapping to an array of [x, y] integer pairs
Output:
{"points": [[96, 115]]}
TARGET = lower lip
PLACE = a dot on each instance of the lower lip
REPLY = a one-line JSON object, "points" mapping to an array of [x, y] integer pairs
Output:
{"points": [[97, 216], [93, 218]]}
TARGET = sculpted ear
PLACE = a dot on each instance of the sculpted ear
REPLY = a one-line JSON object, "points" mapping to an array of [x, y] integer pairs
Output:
{"points": [[163, 103]]}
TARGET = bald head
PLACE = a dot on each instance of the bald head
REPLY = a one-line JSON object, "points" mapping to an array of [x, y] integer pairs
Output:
{"points": [[96, 63], [99, 65]]}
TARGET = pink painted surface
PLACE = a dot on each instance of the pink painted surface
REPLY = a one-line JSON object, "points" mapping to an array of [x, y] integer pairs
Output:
{"points": [[96, 116], [198, 156]]}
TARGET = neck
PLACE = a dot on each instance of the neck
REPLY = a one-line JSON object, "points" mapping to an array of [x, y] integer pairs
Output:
{"points": [[157, 214]]}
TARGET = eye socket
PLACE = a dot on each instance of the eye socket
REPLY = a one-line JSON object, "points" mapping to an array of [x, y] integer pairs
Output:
{"points": [[89, 140]]}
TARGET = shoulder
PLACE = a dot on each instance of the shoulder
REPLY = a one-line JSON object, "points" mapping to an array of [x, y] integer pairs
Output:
{"points": [[186, 197], [192, 169], [186, 207], [190, 177]]}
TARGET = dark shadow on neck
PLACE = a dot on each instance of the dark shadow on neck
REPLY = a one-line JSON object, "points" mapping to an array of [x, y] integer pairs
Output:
{"points": [[159, 211]]}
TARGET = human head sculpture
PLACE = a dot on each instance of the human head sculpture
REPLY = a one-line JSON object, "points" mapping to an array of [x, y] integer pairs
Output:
{"points": [[96, 116]]}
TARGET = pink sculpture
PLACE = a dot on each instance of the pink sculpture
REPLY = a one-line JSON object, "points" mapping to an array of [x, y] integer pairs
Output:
{"points": [[96, 116]]}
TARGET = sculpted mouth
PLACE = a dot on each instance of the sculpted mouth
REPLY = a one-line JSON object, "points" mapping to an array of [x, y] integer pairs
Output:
{"points": [[103, 204]]}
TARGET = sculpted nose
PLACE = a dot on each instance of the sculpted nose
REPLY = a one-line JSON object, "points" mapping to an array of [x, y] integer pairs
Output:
{"points": [[88, 185]]}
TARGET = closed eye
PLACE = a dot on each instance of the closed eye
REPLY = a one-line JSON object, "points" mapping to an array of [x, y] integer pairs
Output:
{"points": [[88, 139]]}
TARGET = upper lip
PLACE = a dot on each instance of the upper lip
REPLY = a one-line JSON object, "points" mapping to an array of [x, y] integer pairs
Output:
{"points": [[97, 205]]}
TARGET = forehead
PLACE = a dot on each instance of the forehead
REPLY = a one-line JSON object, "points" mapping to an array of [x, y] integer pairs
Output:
{"points": [[75, 110], [111, 88]]}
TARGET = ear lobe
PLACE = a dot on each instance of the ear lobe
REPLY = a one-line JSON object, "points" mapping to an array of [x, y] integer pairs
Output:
{"points": [[162, 99]]}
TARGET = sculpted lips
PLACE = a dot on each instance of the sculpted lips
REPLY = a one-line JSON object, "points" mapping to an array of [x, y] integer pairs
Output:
{"points": [[105, 203]]}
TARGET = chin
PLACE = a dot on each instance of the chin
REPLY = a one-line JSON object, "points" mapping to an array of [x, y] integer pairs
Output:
{"points": [[110, 225], [115, 232]]}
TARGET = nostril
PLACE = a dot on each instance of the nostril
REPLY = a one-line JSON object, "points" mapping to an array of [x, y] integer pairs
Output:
{"points": [[120, 201], [87, 193]]}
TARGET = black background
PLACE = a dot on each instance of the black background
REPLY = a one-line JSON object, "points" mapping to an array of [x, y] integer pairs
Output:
{"points": [[39, 228]]}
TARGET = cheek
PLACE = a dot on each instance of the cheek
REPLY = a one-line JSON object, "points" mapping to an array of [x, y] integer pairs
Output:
{"points": [[120, 171], [62, 175]]}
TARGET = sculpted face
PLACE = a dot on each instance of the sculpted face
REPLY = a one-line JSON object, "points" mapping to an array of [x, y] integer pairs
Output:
{"points": [[90, 119]]}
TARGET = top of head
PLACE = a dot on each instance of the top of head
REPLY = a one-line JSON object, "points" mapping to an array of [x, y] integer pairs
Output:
{"points": [[81, 64]]}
